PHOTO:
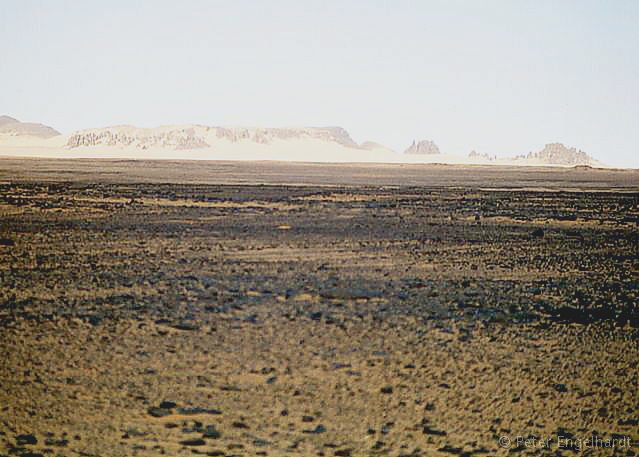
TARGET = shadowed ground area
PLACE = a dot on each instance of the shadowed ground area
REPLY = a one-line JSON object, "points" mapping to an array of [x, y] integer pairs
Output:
{"points": [[154, 308]]}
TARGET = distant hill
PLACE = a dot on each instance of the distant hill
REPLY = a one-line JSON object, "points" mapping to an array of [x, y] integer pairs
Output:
{"points": [[195, 141], [13, 127], [7, 120]]}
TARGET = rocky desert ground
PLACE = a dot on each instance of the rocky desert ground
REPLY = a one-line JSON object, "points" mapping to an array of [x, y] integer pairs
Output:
{"points": [[227, 309]]}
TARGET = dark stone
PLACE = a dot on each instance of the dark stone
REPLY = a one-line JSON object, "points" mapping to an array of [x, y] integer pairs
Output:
{"points": [[431, 431], [230, 388], [95, 319], [211, 432], [319, 429], [57, 443], [7, 242], [187, 326], [628, 422], [386, 428], [197, 410], [158, 412], [538, 233], [21, 440], [387, 390], [560, 388], [167, 404], [193, 442]]}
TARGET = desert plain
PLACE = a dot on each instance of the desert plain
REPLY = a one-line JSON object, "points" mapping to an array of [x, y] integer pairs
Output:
{"points": [[242, 309]]}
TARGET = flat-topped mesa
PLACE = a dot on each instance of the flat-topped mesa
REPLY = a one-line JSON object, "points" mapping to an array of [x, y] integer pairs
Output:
{"points": [[267, 135], [13, 127], [423, 147], [558, 154], [200, 136]]}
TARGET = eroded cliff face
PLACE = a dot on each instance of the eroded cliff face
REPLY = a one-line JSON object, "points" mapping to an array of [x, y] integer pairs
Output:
{"points": [[558, 154], [179, 138], [195, 137], [423, 147]]}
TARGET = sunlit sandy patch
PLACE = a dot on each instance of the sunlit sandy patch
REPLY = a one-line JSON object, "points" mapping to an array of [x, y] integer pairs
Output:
{"points": [[338, 197], [549, 222]]}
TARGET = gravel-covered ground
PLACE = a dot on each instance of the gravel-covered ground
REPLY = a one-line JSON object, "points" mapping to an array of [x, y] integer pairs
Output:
{"points": [[309, 320]]}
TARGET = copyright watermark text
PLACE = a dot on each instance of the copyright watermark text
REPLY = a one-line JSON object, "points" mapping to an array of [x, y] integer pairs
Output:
{"points": [[564, 442]]}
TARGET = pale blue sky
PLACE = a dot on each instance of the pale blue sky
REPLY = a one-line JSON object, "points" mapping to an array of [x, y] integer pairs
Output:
{"points": [[502, 77]]}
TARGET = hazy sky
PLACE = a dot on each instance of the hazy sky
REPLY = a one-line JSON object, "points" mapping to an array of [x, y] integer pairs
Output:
{"points": [[502, 77]]}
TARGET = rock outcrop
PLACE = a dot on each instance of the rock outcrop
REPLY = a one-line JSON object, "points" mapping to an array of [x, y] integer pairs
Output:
{"points": [[558, 154], [481, 155], [13, 127], [423, 147]]}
